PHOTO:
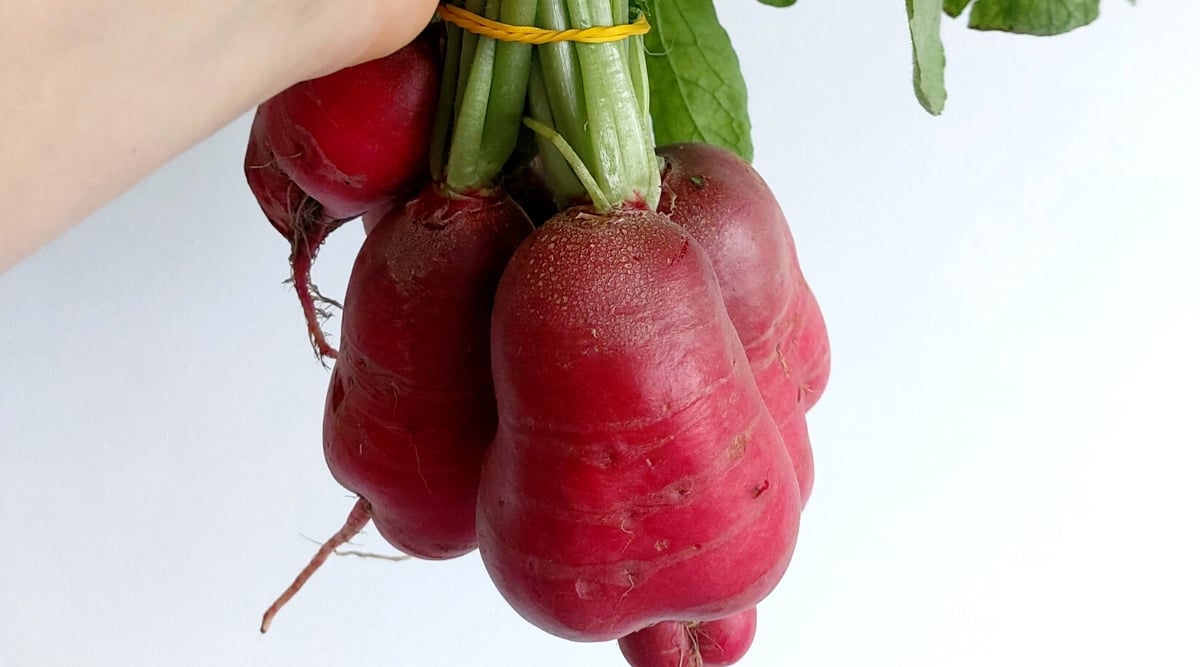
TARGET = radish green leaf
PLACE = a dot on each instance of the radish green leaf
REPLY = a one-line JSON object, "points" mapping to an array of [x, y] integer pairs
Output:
{"points": [[696, 88], [929, 59]]}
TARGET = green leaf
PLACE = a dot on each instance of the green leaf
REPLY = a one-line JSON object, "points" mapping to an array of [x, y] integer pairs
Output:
{"points": [[778, 3], [955, 7], [1033, 17], [696, 88], [929, 59]]}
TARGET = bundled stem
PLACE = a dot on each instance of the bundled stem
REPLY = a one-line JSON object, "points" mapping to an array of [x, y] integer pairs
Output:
{"points": [[563, 176], [598, 96], [483, 98]]}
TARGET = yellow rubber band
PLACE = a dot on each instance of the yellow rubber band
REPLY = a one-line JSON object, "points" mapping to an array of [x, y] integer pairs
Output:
{"points": [[527, 34]]}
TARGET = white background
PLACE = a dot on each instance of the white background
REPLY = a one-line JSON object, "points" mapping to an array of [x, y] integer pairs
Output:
{"points": [[1007, 453]]}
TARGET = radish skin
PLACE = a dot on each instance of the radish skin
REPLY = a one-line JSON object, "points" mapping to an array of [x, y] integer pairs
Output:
{"points": [[411, 406], [355, 138], [727, 206], [730, 209], [716, 643], [636, 475]]}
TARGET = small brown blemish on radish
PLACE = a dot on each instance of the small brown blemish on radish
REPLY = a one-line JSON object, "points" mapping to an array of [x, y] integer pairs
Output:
{"points": [[737, 448], [787, 371], [760, 488], [662, 545]]}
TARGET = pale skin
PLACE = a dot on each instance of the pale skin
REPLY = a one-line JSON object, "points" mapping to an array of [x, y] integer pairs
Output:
{"points": [[96, 94]]}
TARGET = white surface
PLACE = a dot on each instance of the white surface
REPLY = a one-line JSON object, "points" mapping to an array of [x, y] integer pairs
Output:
{"points": [[1006, 455]]}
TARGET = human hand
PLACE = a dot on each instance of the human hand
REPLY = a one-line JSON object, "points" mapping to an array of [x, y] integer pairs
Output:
{"points": [[98, 93], [355, 31]]}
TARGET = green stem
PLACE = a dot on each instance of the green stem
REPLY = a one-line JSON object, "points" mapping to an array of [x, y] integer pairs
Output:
{"points": [[506, 102], [462, 169], [641, 89], [467, 55], [617, 143], [561, 176], [620, 14], [564, 83], [489, 98], [440, 140], [568, 154]]}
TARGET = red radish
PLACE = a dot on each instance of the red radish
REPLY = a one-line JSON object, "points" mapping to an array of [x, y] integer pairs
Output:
{"points": [[730, 209], [326, 150], [705, 644], [636, 475], [727, 206], [356, 137], [411, 406]]}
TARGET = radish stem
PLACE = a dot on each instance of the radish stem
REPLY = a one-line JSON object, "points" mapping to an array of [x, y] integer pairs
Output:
{"points": [[600, 103]]}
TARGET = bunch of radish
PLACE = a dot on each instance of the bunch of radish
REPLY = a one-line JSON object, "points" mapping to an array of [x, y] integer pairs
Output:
{"points": [[602, 388]]}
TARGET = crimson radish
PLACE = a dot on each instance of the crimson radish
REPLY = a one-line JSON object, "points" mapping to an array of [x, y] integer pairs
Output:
{"points": [[356, 137], [636, 475], [698, 644], [411, 406], [729, 208]]}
